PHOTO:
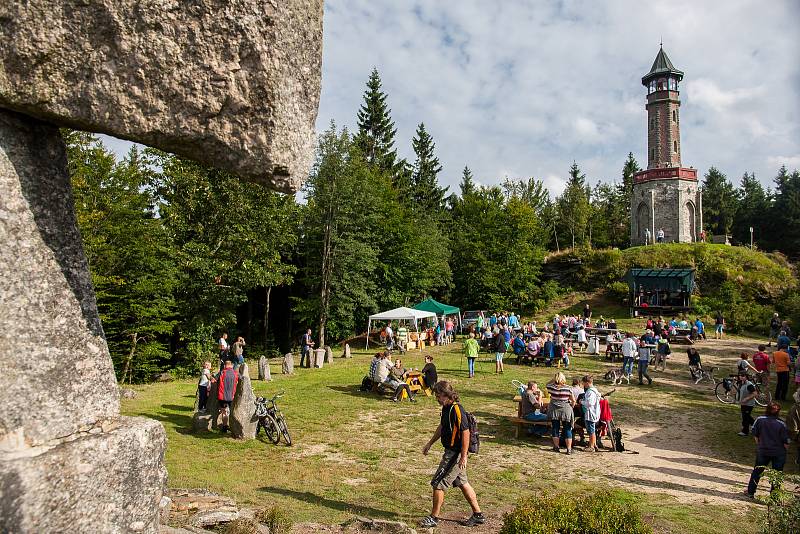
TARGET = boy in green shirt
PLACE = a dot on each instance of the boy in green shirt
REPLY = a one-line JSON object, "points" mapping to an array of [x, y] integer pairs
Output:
{"points": [[471, 349]]}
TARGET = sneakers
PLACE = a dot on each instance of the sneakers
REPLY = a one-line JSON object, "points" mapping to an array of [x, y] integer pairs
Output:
{"points": [[556, 449], [429, 522], [741, 434], [413, 399], [474, 520], [569, 451]]}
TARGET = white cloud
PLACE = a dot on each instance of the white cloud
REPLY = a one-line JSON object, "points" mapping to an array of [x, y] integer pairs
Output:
{"points": [[791, 162]]}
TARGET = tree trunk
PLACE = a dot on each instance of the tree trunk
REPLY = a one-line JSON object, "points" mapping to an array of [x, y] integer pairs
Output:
{"points": [[129, 359], [555, 235], [267, 294]]}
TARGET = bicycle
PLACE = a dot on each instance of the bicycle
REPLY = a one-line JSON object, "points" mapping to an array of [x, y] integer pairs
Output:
{"points": [[271, 419], [700, 374], [727, 391]]}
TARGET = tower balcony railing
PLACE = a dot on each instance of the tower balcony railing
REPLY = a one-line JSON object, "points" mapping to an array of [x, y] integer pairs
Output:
{"points": [[679, 173]]}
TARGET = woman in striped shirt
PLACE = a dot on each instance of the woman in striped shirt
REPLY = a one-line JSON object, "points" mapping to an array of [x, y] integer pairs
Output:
{"points": [[560, 412]]}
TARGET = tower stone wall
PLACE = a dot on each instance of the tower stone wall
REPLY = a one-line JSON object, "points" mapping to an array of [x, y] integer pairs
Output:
{"points": [[671, 204], [663, 131]]}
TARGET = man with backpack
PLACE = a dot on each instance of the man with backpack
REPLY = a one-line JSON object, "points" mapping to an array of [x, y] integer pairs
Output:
{"points": [[458, 433], [227, 381]]}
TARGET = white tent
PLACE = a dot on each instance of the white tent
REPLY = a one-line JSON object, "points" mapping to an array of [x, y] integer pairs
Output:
{"points": [[399, 314]]}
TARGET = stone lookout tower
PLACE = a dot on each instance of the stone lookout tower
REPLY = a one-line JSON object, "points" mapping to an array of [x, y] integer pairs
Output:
{"points": [[666, 195]]}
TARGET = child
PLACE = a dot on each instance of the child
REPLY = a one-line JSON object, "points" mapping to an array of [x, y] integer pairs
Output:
{"points": [[203, 386], [591, 405]]}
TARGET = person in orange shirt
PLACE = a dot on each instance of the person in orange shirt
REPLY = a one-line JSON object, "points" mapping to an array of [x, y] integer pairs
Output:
{"points": [[781, 360]]}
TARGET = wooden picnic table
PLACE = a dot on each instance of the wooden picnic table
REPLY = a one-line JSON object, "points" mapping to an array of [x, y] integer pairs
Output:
{"points": [[519, 421], [416, 383]]}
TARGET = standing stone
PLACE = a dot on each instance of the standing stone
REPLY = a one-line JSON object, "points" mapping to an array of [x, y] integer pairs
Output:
{"points": [[347, 351], [243, 418], [319, 358], [263, 369], [212, 407], [328, 354], [288, 364], [234, 85]]}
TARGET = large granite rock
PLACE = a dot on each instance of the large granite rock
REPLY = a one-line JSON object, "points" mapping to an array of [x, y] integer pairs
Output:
{"points": [[52, 488], [243, 418], [347, 353], [234, 84], [319, 358], [328, 354], [57, 375]]}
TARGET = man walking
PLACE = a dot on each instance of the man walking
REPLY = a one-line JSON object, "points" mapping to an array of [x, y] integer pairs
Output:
{"points": [[453, 430], [644, 359], [772, 438], [782, 362], [774, 328]]}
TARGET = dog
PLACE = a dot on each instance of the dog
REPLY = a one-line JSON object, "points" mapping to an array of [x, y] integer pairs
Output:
{"points": [[702, 374], [616, 376]]}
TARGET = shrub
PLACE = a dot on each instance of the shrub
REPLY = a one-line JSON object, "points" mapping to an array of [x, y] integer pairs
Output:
{"points": [[618, 291], [783, 506], [603, 511], [278, 521]]}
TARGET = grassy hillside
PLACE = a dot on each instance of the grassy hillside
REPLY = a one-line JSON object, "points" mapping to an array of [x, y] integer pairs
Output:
{"points": [[746, 285]]}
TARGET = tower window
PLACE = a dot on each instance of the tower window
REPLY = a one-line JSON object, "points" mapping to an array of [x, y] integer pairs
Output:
{"points": [[674, 116], [675, 146], [652, 153]]}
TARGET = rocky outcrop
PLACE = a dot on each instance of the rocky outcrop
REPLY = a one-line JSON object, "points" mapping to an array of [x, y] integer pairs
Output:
{"points": [[65, 383], [234, 85], [243, 418], [51, 487]]}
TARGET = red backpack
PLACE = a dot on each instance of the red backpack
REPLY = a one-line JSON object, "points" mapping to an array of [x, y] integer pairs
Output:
{"points": [[228, 380]]}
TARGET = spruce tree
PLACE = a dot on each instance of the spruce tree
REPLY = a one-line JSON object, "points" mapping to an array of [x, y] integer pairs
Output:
{"points": [[753, 203], [573, 205], [785, 214], [427, 194], [376, 131], [719, 202], [467, 182]]}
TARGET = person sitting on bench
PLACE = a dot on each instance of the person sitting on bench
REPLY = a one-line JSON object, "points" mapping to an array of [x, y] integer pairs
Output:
{"points": [[396, 381], [532, 407]]}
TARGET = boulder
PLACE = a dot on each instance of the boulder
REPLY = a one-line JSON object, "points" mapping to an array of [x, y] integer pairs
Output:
{"points": [[65, 383], [110, 481], [328, 354], [244, 370], [201, 421], [234, 85], [288, 364], [263, 369], [212, 408], [319, 358], [126, 393], [347, 353], [243, 418]]}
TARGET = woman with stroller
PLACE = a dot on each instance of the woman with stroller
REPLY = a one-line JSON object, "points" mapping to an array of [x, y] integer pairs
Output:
{"points": [[560, 412]]}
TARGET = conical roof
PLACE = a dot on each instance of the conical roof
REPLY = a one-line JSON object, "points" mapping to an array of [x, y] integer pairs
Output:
{"points": [[661, 66]]}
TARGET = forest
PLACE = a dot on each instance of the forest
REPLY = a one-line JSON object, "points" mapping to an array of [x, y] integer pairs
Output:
{"points": [[180, 252]]}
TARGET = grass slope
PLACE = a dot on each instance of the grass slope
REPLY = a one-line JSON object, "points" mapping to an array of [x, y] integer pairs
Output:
{"points": [[357, 453]]}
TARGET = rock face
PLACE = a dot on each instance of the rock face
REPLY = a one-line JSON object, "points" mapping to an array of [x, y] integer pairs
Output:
{"points": [[243, 418], [263, 369], [234, 85], [49, 489], [288, 364], [47, 307]]}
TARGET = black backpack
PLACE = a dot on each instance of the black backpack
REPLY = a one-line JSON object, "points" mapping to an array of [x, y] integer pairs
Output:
{"points": [[619, 446], [366, 384], [474, 434]]}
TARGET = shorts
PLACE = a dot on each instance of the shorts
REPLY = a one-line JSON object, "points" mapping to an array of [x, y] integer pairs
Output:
{"points": [[591, 427], [449, 474], [498, 356], [719, 328]]}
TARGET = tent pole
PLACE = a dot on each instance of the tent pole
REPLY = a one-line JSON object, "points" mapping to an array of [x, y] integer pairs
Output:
{"points": [[369, 323]]}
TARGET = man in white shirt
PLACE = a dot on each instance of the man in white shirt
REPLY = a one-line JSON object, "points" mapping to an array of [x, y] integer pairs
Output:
{"points": [[629, 349], [389, 337], [224, 350], [591, 403]]}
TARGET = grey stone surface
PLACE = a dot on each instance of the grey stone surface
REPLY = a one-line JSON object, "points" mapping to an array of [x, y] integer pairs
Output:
{"points": [[347, 353], [263, 369], [243, 418], [212, 407], [65, 381], [201, 421], [234, 85], [328, 354], [126, 393], [106, 482], [288, 364], [673, 204], [319, 358]]}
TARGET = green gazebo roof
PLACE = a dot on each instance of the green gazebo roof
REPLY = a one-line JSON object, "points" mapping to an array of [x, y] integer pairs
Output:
{"points": [[437, 307], [661, 66]]}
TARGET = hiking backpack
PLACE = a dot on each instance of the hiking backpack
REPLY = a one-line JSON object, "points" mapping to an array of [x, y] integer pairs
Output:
{"points": [[474, 435]]}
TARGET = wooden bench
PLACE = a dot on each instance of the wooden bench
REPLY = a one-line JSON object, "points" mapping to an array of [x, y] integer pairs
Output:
{"points": [[519, 422]]}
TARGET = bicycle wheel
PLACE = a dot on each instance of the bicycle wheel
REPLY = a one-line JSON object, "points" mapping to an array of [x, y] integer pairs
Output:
{"points": [[763, 396], [283, 430], [610, 435], [267, 422], [723, 395]]}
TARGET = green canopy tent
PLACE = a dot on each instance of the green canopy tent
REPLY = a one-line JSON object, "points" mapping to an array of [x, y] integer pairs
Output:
{"points": [[655, 291], [439, 309]]}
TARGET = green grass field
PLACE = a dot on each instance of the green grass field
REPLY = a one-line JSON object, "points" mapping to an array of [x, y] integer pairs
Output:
{"points": [[357, 453]]}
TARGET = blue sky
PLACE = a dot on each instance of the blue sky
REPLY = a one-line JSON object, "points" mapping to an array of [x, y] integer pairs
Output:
{"points": [[522, 89]]}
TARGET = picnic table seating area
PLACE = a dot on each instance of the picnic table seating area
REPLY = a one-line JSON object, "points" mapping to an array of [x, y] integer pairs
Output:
{"points": [[520, 423]]}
